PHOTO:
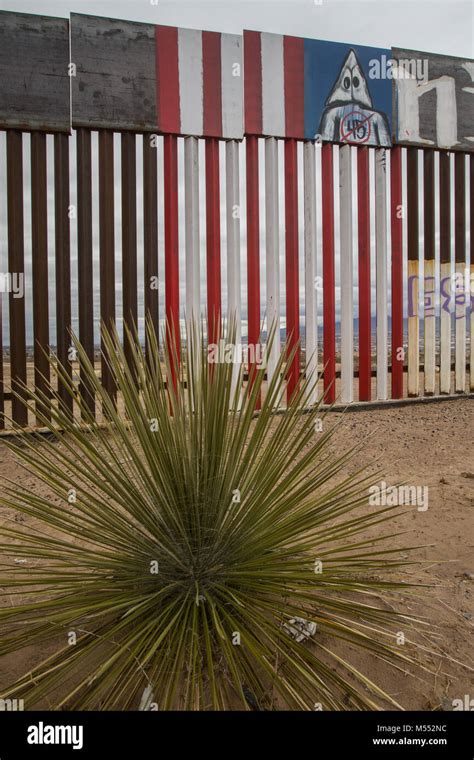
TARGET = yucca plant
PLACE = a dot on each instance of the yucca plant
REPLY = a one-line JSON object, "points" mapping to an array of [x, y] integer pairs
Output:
{"points": [[193, 551]]}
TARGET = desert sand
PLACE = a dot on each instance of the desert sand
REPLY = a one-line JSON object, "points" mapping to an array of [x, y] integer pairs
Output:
{"points": [[425, 445]]}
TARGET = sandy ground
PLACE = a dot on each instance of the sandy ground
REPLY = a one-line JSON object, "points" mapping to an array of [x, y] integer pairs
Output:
{"points": [[429, 445], [425, 445]]}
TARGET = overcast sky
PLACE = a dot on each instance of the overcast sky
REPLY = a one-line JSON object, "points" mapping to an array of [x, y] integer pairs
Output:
{"points": [[426, 25]]}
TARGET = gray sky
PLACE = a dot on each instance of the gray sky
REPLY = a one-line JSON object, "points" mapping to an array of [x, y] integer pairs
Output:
{"points": [[428, 25]]}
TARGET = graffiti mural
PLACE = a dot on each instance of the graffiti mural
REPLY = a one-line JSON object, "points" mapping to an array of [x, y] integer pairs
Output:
{"points": [[349, 115], [349, 93], [433, 100]]}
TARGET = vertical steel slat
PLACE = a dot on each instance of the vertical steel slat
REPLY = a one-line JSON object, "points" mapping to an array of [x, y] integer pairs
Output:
{"points": [[129, 237], [233, 243], [192, 237], [107, 246], [39, 247], [363, 237], [63, 261], [310, 265], [347, 275], [381, 271], [85, 258], [2, 387], [170, 165], [291, 263], [253, 250], [272, 250], [413, 272], [396, 216], [460, 261], [329, 305], [471, 280], [445, 270], [16, 267], [213, 238], [430, 272], [150, 231]]}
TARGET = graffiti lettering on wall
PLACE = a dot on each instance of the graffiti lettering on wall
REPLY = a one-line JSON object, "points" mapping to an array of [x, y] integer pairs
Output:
{"points": [[456, 289], [436, 110]]}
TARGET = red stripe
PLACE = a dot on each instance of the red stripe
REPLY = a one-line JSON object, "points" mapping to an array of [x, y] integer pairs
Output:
{"points": [[212, 87], [291, 261], [170, 166], [363, 216], [167, 79], [329, 311], [293, 67], [253, 249], [397, 270], [253, 83], [213, 238]]}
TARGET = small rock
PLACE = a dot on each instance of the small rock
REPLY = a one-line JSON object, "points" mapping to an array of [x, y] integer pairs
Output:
{"points": [[444, 481], [467, 475], [467, 615], [300, 629], [468, 576]]}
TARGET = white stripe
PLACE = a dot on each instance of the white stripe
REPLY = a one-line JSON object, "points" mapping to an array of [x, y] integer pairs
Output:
{"points": [[347, 275], [272, 250], [190, 81], [381, 270], [191, 213], [273, 95], [460, 309], [233, 242], [232, 87], [310, 269]]}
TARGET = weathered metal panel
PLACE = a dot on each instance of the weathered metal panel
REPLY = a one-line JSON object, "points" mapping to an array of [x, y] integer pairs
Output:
{"points": [[34, 60], [134, 76], [433, 100], [114, 86]]}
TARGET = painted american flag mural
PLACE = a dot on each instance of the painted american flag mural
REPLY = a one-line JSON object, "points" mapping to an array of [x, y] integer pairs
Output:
{"points": [[199, 83]]}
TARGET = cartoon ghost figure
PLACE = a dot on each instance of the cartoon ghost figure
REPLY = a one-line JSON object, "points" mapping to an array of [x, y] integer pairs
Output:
{"points": [[349, 115]]}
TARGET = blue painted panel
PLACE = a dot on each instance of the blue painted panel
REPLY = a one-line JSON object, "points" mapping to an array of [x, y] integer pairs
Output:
{"points": [[348, 93]]}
